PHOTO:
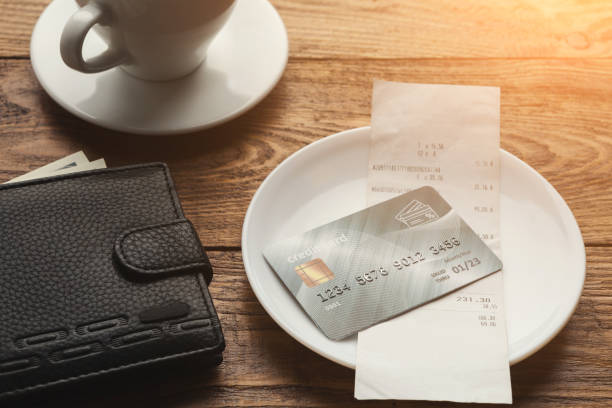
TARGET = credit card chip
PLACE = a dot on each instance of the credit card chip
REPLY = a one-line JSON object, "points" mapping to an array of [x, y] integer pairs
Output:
{"points": [[314, 272]]}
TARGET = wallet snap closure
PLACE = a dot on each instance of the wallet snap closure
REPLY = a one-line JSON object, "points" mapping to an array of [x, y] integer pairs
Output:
{"points": [[163, 249]]}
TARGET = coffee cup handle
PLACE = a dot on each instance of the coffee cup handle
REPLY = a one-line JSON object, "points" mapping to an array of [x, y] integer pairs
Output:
{"points": [[73, 37]]}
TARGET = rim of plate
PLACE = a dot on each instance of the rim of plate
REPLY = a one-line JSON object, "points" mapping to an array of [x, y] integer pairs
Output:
{"points": [[576, 237], [559, 201]]}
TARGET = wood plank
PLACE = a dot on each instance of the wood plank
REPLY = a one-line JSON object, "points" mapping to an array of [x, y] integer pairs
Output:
{"points": [[447, 28], [407, 29], [264, 366], [555, 116], [17, 19]]}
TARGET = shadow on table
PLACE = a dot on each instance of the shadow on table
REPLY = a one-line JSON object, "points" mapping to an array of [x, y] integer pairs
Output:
{"points": [[552, 364], [286, 374], [138, 387], [123, 148]]}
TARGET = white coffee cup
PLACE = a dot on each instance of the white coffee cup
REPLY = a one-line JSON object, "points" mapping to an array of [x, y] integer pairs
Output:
{"points": [[150, 39]]}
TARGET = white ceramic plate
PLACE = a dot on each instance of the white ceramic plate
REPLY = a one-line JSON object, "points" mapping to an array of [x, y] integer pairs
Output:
{"points": [[243, 64], [543, 251]]}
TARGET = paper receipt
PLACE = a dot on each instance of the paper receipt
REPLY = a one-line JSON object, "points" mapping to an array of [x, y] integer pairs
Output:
{"points": [[454, 348]]}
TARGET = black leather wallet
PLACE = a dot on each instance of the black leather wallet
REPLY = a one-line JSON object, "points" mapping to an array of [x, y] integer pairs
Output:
{"points": [[100, 273]]}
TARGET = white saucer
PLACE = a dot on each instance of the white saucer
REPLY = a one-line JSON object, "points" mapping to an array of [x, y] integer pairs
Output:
{"points": [[543, 251], [243, 64]]}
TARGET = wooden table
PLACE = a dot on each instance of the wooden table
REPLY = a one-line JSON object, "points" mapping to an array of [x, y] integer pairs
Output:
{"points": [[553, 62]]}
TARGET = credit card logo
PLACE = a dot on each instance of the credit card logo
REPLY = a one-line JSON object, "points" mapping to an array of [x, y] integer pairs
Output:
{"points": [[416, 213], [314, 273]]}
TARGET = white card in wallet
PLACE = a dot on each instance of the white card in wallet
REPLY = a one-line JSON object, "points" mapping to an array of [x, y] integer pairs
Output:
{"points": [[70, 164], [454, 348]]}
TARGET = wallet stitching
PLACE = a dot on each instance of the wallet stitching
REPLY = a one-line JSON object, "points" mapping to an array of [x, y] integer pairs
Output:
{"points": [[198, 284], [215, 321], [124, 258], [112, 369]]}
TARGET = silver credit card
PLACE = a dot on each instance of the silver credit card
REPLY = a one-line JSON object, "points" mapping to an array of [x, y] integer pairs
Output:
{"points": [[379, 262]]}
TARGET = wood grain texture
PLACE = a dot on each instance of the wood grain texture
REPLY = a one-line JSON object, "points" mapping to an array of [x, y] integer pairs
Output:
{"points": [[407, 29], [553, 62], [556, 116], [264, 366]]}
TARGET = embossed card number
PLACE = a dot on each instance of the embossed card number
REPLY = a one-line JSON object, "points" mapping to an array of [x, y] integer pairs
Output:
{"points": [[381, 261]]}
